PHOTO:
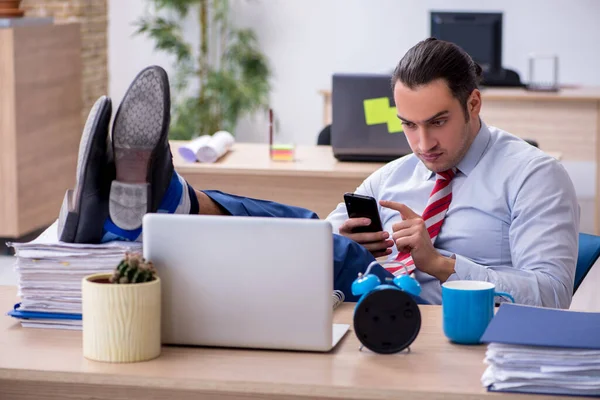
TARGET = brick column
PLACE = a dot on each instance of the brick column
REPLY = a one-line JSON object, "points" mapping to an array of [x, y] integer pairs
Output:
{"points": [[93, 17]]}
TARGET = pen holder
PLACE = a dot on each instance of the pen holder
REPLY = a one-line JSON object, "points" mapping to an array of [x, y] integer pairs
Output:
{"points": [[121, 322], [386, 318]]}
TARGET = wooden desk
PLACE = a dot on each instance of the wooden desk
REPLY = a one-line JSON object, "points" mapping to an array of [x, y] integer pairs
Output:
{"points": [[567, 122], [48, 364], [316, 180]]}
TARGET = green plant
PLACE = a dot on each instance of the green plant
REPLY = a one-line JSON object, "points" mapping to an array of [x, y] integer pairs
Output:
{"points": [[232, 73], [133, 269]]}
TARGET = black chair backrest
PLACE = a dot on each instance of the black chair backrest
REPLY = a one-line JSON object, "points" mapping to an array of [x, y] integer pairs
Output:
{"points": [[324, 138]]}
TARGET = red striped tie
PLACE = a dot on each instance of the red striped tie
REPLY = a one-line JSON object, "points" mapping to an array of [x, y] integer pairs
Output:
{"points": [[439, 201]]}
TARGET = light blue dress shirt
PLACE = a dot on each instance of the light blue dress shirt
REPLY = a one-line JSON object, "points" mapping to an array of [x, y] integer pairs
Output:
{"points": [[513, 219]]}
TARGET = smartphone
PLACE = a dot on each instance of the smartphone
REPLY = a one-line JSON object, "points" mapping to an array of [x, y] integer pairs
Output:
{"points": [[359, 206]]}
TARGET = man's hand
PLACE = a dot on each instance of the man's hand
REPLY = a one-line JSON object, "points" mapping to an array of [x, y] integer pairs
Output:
{"points": [[411, 235], [376, 242]]}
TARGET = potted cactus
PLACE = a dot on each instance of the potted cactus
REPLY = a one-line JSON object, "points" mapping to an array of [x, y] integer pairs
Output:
{"points": [[121, 312]]}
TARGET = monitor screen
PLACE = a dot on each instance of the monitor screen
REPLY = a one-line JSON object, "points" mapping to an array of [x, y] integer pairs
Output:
{"points": [[479, 34]]}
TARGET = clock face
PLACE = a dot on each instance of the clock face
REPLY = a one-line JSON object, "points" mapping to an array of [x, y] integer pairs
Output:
{"points": [[387, 320]]}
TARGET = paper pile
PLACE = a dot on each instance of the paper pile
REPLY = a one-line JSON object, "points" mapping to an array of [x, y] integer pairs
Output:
{"points": [[50, 273], [542, 350], [542, 370]]}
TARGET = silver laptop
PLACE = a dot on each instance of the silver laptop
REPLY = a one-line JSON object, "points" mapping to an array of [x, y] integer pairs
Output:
{"points": [[244, 281]]}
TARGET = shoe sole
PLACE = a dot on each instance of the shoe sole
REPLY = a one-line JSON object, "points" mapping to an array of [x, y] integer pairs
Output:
{"points": [[96, 129], [139, 126]]}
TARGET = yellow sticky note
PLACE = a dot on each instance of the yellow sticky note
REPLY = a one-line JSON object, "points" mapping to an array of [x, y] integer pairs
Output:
{"points": [[376, 110], [394, 124]]}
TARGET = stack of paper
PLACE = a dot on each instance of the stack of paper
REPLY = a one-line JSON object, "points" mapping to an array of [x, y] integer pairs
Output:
{"points": [[50, 274], [542, 350], [282, 152]]}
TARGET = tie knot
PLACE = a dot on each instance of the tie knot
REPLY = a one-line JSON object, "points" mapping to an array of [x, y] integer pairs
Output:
{"points": [[447, 175]]}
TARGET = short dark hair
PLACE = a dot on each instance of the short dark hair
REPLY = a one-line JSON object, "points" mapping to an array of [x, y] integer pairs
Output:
{"points": [[432, 59]]}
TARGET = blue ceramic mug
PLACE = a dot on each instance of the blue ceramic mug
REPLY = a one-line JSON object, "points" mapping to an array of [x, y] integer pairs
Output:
{"points": [[468, 308]]}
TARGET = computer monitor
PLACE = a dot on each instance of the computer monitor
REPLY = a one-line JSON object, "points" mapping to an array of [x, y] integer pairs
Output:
{"points": [[479, 34]]}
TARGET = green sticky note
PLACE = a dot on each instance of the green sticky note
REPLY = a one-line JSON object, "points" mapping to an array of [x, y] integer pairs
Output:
{"points": [[394, 124], [376, 110], [282, 147]]}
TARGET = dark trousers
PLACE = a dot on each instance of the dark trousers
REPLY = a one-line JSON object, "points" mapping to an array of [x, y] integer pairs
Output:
{"points": [[349, 258]]}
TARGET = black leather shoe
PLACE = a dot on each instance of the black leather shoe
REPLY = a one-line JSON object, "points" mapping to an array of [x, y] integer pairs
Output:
{"points": [[85, 208], [143, 159]]}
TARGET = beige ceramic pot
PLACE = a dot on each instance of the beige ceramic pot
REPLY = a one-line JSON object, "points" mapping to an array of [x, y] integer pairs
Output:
{"points": [[121, 322]]}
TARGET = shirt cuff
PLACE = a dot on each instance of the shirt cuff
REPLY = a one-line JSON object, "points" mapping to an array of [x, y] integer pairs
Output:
{"points": [[463, 268]]}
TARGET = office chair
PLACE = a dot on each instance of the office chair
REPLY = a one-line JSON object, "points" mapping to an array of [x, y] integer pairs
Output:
{"points": [[503, 78], [589, 251], [324, 138]]}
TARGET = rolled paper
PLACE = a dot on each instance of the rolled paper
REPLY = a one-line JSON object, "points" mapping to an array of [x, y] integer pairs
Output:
{"points": [[219, 144], [207, 149], [188, 151]]}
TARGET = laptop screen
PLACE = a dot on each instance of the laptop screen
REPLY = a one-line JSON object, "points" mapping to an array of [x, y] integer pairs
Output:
{"points": [[365, 126]]}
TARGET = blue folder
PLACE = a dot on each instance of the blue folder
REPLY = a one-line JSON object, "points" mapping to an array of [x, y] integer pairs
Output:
{"points": [[16, 313], [536, 326]]}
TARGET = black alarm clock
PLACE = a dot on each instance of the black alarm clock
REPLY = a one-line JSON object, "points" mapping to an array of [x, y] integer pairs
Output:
{"points": [[386, 318]]}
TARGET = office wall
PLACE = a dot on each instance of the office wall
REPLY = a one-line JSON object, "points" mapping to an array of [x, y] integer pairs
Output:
{"points": [[129, 53]]}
